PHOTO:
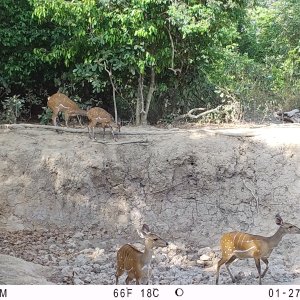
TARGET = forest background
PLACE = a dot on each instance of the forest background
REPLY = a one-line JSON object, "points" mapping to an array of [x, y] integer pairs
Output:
{"points": [[157, 59]]}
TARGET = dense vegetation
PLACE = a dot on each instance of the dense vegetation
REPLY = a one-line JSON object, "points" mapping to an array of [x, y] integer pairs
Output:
{"points": [[157, 58]]}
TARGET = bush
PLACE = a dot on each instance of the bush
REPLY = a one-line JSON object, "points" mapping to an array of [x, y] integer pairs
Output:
{"points": [[12, 109]]}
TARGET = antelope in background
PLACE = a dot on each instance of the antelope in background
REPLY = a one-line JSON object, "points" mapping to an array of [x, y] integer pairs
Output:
{"points": [[60, 102], [106, 120], [243, 245], [135, 262]]}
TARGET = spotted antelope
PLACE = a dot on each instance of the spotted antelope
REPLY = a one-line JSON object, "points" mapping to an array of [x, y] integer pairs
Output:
{"points": [[137, 263], [105, 119], [60, 102], [243, 245]]}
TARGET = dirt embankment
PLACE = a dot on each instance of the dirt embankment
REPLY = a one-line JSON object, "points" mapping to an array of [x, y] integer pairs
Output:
{"points": [[68, 202]]}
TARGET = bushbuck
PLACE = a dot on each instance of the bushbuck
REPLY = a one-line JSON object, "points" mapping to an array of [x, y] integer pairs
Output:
{"points": [[137, 263], [105, 119], [60, 102], [244, 245]]}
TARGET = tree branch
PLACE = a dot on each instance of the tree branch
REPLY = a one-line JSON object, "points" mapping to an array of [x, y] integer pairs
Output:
{"points": [[173, 54]]}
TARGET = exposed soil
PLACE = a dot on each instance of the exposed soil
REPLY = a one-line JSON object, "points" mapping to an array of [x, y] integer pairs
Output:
{"points": [[68, 203]]}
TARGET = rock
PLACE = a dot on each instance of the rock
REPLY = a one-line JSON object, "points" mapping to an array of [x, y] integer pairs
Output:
{"points": [[78, 281], [80, 260], [97, 268], [63, 262], [86, 244], [72, 244], [193, 256], [87, 268], [201, 263], [79, 236], [205, 250], [87, 279], [54, 248], [205, 257], [67, 271], [17, 271]]}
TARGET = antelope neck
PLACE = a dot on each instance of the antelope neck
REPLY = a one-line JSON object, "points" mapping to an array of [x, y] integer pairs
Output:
{"points": [[276, 237], [147, 255]]}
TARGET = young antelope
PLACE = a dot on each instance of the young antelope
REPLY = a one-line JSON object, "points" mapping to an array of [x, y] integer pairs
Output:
{"points": [[137, 263], [105, 119]]}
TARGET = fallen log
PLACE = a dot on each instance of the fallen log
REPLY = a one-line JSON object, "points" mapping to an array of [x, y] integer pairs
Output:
{"points": [[292, 116], [190, 114]]}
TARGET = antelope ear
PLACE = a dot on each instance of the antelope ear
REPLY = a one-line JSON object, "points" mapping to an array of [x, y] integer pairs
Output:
{"points": [[144, 231], [278, 219]]}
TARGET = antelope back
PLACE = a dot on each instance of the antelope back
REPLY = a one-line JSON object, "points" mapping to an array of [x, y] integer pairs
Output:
{"points": [[99, 114], [61, 102], [240, 244], [128, 257]]}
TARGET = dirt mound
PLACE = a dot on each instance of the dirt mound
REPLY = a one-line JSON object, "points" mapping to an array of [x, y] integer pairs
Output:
{"points": [[82, 199]]}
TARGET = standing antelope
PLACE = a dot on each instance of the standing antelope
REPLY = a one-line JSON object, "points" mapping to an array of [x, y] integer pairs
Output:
{"points": [[100, 115], [243, 245], [60, 102], [135, 262]]}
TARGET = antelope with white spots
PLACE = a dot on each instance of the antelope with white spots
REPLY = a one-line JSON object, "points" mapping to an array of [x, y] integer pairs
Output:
{"points": [[60, 102], [137, 263], [243, 245], [105, 119]]}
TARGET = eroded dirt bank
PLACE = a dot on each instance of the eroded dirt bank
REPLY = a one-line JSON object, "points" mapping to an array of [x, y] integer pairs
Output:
{"points": [[69, 203]]}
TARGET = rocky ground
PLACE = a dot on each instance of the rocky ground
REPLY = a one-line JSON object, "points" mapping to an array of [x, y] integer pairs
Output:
{"points": [[89, 258]]}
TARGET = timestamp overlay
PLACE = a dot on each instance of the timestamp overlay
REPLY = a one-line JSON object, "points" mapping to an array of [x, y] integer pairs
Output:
{"points": [[134, 292]]}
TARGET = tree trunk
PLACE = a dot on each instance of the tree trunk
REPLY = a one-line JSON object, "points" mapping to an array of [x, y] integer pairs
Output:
{"points": [[151, 90], [139, 101], [113, 91], [115, 105], [142, 105]]}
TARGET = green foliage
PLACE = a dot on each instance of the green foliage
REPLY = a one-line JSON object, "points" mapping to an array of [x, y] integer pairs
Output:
{"points": [[12, 109], [19, 36], [45, 116], [131, 37], [249, 48], [272, 41]]}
